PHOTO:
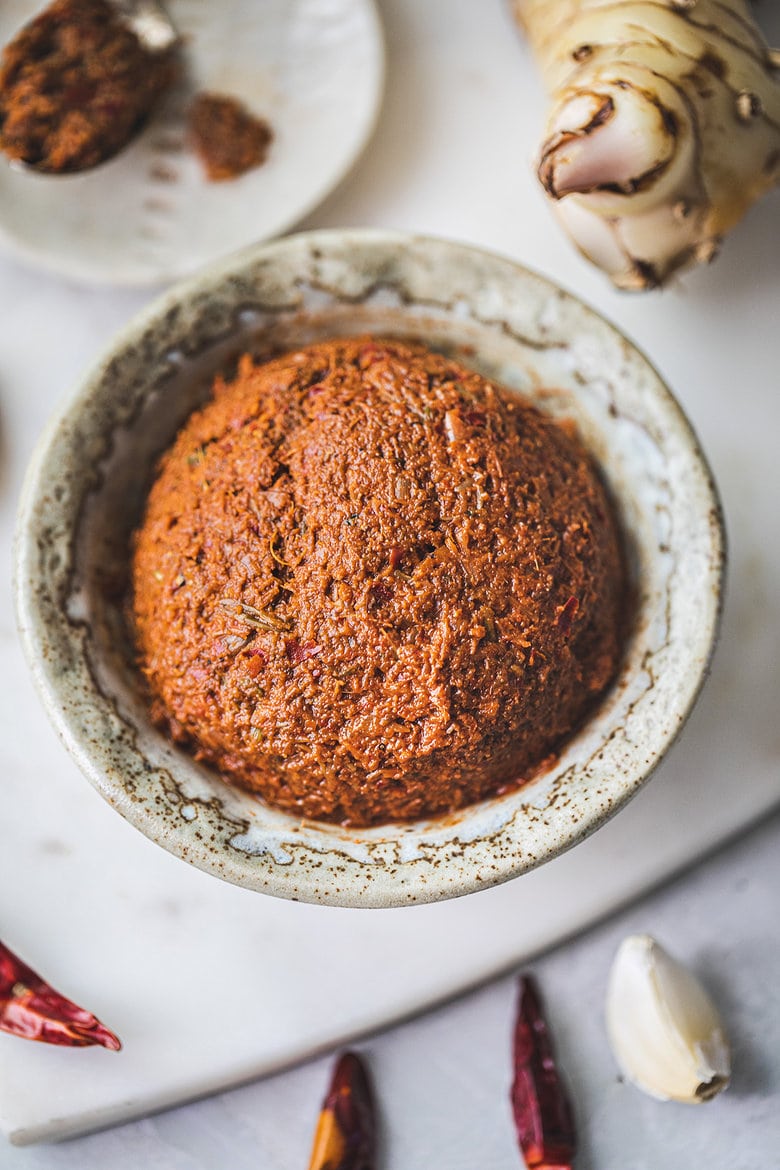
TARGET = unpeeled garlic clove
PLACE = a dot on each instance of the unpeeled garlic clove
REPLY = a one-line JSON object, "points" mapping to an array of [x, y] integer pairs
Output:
{"points": [[664, 1029]]}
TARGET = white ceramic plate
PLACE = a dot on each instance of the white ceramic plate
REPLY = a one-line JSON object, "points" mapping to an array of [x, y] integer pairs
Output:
{"points": [[313, 68]]}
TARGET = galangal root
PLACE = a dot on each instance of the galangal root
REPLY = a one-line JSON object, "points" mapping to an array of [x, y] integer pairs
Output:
{"points": [[664, 128]]}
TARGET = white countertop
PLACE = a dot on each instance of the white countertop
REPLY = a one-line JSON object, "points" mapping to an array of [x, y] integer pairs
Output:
{"points": [[450, 158], [442, 1080]]}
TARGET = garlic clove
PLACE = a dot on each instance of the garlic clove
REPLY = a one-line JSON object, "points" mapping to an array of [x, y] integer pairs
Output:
{"points": [[665, 1032]]}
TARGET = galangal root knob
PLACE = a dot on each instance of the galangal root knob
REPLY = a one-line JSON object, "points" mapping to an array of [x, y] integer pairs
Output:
{"points": [[664, 128]]}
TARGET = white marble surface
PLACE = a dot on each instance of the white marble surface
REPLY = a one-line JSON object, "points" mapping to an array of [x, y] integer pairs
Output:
{"points": [[449, 157], [442, 1080]]}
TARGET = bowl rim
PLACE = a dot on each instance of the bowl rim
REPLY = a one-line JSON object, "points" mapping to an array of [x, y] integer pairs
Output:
{"points": [[417, 879]]}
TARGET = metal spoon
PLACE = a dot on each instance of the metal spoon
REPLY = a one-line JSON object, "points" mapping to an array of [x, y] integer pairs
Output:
{"points": [[150, 23], [155, 31]]}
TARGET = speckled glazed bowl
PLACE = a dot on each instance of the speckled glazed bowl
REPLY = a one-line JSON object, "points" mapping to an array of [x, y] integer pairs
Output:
{"points": [[86, 487]]}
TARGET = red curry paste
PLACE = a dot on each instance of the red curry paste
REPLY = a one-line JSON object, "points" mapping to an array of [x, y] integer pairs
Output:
{"points": [[371, 585], [228, 139], [75, 84]]}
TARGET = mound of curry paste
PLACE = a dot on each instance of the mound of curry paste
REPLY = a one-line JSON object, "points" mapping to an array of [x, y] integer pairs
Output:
{"points": [[371, 585]]}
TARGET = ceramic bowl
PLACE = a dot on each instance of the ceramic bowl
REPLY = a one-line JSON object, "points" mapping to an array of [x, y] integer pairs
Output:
{"points": [[86, 486]]}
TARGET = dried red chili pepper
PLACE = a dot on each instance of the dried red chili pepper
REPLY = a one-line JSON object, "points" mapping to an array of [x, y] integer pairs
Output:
{"points": [[380, 592], [255, 660], [475, 418], [566, 615], [397, 554], [345, 1138], [30, 1008], [542, 1110], [300, 652], [369, 354]]}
